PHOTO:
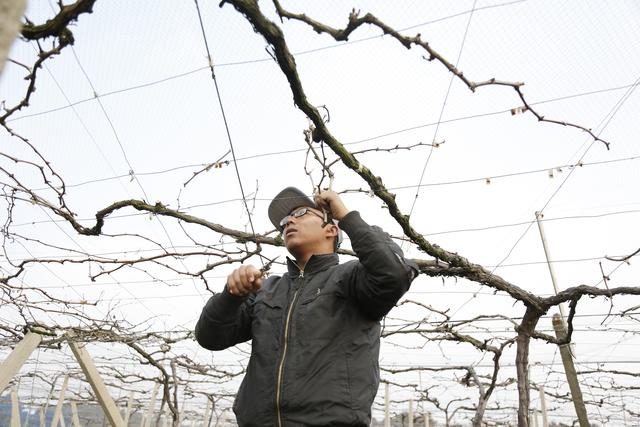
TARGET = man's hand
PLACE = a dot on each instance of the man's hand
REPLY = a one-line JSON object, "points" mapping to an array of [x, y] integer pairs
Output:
{"points": [[244, 280], [331, 202]]}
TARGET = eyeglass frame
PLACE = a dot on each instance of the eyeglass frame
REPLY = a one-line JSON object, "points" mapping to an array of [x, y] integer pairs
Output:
{"points": [[300, 212]]}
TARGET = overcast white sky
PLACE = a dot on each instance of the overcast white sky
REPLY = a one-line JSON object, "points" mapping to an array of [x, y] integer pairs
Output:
{"points": [[156, 114]]}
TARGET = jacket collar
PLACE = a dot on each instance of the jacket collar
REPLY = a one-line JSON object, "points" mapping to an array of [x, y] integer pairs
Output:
{"points": [[315, 264]]}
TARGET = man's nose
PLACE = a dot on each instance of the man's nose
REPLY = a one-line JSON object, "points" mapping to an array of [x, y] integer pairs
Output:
{"points": [[289, 220]]}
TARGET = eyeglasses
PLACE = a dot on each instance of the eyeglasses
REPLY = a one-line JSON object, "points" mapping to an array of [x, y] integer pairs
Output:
{"points": [[297, 214]]}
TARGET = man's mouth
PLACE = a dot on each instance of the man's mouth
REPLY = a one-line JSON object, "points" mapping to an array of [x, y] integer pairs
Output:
{"points": [[290, 230]]}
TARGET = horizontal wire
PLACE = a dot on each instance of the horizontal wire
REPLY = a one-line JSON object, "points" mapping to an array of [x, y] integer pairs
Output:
{"points": [[298, 150]]}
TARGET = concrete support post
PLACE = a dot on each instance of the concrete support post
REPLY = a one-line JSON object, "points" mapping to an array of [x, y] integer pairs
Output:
{"points": [[58, 412], [387, 418], [543, 407], [539, 215], [95, 380], [207, 415], [17, 357], [15, 409], [127, 413], [570, 372], [410, 424], [45, 408], [152, 403], [10, 24], [42, 416], [74, 415], [222, 419]]}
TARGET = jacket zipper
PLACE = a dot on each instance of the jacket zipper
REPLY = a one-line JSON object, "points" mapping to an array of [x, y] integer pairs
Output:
{"points": [[284, 351]]}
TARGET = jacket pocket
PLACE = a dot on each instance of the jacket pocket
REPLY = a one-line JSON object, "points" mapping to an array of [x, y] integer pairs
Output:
{"points": [[268, 307], [266, 324], [321, 316], [349, 382]]}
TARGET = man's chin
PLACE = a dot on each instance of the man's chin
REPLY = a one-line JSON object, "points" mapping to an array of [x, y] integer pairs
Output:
{"points": [[293, 247]]}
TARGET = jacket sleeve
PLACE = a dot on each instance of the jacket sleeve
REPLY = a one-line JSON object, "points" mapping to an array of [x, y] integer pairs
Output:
{"points": [[225, 321], [382, 275]]}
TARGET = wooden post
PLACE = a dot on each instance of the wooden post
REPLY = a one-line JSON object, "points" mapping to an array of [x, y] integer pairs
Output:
{"points": [[74, 415], [17, 357], [543, 408], [426, 419], [570, 372], [152, 403], [15, 409], [58, 412], [93, 376], [207, 414], [387, 419], [128, 410]]}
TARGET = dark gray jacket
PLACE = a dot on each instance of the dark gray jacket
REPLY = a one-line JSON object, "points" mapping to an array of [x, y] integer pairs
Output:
{"points": [[315, 335]]}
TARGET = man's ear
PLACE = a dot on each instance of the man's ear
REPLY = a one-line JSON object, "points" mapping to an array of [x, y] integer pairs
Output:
{"points": [[331, 230]]}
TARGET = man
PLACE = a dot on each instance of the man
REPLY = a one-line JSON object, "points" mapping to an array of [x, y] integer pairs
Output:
{"points": [[315, 331]]}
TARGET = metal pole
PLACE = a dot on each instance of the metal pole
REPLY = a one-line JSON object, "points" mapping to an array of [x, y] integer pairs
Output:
{"points": [[17, 357], [570, 372], [548, 257]]}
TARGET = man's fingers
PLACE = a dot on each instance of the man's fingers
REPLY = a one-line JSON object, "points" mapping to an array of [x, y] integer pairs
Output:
{"points": [[321, 201], [244, 280], [257, 284], [245, 275], [331, 201]]}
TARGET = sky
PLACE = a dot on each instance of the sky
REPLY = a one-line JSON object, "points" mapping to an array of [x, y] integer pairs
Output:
{"points": [[131, 112]]}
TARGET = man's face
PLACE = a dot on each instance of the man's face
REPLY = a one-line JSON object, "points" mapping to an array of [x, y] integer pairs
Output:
{"points": [[303, 230]]}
